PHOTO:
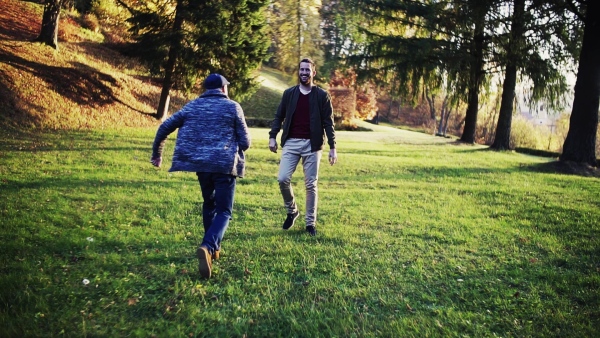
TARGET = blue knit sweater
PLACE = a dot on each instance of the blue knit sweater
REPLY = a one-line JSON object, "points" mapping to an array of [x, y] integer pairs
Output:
{"points": [[212, 136]]}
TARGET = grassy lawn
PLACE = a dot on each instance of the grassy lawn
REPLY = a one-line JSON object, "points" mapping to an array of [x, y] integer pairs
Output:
{"points": [[418, 236]]}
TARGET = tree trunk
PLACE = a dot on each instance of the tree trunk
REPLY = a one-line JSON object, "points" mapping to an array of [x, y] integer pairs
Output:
{"points": [[476, 77], [443, 113], [580, 144], [503, 128], [299, 22], [445, 132], [163, 104], [431, 102], [49, 32], [441, 124]]}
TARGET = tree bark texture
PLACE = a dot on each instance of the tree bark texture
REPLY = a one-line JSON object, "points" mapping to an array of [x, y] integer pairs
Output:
{"points": [[476, 77], [445, 129], [299, 23], [503, 128], [49, 32], [431, 101], [443, 113], [174, 48], [580, 144]]}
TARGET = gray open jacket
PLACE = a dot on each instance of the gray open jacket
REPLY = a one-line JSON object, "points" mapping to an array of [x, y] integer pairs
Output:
{"points": [[212, 136], [321, 117]]}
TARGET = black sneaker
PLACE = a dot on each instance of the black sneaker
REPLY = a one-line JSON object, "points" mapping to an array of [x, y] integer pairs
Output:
{"points": [[311, 230], [290, 220]]}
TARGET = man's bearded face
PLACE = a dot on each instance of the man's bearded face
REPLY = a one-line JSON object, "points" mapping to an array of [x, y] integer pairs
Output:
{"points": [[305, 73]]}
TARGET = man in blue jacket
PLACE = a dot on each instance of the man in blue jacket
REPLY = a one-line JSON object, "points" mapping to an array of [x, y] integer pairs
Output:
{"points": [[306, 114], [211, 142]]}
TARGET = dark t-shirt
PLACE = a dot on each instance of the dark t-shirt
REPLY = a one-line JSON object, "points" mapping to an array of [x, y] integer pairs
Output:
{"points": [[300, 126]]}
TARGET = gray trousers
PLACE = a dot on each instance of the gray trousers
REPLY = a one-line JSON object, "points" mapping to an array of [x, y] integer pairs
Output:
{"points": [[294, 150]]}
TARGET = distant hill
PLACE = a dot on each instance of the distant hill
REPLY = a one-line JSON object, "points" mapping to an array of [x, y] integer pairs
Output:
{"points": [[263, 104]]}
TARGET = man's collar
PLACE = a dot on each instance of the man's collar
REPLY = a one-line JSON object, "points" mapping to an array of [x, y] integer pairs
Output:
{"points": [[213, 92]]}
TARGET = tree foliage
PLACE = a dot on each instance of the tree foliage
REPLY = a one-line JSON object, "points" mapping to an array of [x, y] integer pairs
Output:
{"points": [[295, 33], [224, 36], [414, 42], [535, 47]]}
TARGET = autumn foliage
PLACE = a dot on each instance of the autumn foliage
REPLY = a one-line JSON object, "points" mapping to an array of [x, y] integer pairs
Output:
{"points": [[350, 99]]}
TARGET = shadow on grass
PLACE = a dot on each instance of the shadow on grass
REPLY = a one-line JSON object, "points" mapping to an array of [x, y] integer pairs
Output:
{"points": [[32, 140], [14, 25], [81, 84], [565, 168], [177, 100]]}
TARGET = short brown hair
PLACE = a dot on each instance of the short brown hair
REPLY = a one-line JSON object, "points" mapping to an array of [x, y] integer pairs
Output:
{"points": [[308, 61]]}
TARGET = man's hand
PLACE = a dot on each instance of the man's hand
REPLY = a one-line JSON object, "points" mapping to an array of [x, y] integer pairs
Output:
{"points": [[156, 161], [273, 145], [332, 156]]}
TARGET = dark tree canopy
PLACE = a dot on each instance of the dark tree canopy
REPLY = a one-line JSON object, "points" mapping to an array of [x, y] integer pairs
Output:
{"points": [[189, 39]]}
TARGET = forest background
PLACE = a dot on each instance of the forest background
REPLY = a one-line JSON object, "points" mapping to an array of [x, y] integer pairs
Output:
{"points": [[411, 65]]}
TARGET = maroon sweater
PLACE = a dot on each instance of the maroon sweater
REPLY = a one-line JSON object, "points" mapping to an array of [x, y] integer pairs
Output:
{"points": [[300, 127]]}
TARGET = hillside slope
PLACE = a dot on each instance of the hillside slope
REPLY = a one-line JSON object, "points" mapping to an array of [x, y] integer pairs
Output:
{"points": [[86, 84], [82, 85], [263, 104]]}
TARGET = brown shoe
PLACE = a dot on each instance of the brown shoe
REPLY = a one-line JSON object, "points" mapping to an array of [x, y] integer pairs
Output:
{"points": [[204, 262], [216, 254]]}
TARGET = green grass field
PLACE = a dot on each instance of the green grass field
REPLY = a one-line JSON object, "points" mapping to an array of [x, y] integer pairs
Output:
{"points": [[418, 236]]}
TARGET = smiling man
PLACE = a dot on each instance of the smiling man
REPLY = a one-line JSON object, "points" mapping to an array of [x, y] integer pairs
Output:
{"points": [[306, 114]]}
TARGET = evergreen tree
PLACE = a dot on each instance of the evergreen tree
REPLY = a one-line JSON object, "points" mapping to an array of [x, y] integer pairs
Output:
{"points": [[187, 39], [476, 57], [296, 33], [502, 136], [414, 42], [531, 49], [339, 27], [580, 144]]}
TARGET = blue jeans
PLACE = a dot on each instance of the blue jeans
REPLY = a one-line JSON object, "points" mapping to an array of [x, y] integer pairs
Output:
{"points": [[217, 191]]}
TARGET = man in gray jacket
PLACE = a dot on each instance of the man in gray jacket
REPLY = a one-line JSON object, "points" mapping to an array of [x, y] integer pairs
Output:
{"points": [[211, 142], [306, 114]]}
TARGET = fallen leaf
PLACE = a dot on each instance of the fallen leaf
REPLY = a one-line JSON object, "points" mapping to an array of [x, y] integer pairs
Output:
{"points": [[132, 301]]}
